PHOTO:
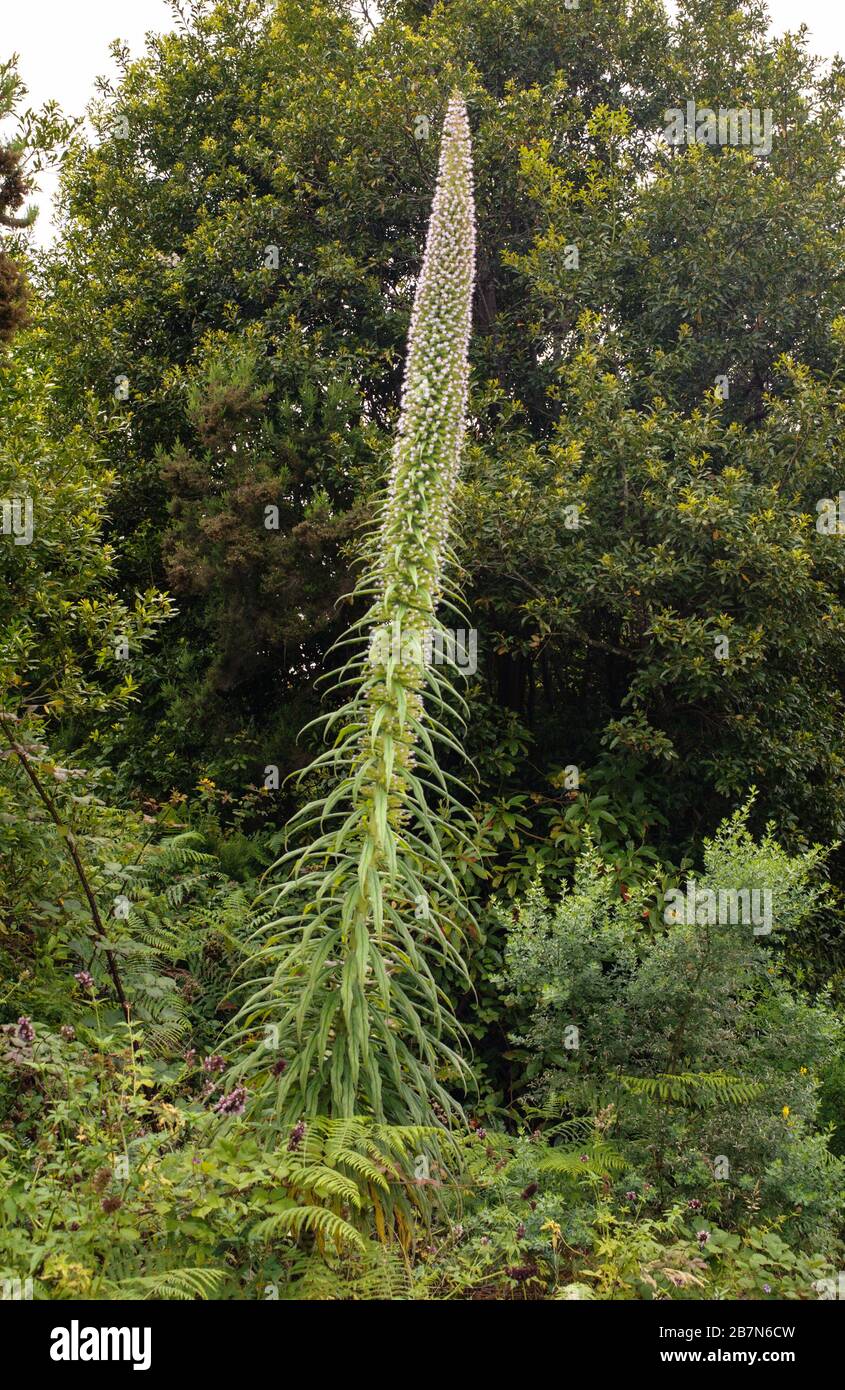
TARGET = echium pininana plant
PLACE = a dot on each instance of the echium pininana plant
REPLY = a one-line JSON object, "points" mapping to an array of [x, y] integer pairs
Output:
{"points": [[370, 911]]}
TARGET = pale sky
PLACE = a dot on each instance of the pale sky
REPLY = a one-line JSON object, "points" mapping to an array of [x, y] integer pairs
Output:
{"points": [[63, 46]]}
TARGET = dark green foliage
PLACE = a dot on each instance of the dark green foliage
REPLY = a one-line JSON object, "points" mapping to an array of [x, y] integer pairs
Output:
{"points": [[832, 1104]]}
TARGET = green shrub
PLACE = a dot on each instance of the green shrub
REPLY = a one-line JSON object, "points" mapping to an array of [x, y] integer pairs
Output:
{"points": [[708, 1057]]}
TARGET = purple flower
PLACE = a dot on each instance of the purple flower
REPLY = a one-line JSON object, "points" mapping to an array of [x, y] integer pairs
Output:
{"points": [[297, 1135], [520, 1230], [84, 979], [694, 1204], [585, 1158], [68, 1032], [279, 1066], [26, 1032], [631, 1196], [703, 1237], [232, 1104], [767, 1288], [214, 1063]]}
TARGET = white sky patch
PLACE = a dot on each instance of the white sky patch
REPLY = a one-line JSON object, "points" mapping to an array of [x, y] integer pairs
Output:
{"points": [[825, 20], [63, 45]]}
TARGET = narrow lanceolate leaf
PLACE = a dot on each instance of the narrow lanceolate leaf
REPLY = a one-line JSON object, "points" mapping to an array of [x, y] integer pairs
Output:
{"points": [[371, 942]]}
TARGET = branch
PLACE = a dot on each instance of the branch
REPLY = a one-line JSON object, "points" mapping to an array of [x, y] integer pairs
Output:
{"points": [[17, 223], [70, 843]]}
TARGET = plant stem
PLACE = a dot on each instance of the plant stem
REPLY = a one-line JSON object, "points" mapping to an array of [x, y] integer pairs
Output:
{"points": [[69, 842]]}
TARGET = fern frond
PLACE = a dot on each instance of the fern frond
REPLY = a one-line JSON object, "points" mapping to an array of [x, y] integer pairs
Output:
{"points": [[176, 1284], [694, 1088], [294, 1221]]}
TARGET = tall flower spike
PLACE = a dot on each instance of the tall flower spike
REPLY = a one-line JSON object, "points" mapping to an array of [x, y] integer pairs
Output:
{"points": [[370, 908], [431, 426]]}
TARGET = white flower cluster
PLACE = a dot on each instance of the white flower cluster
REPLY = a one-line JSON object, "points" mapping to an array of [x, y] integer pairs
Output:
{"points": [[427, 453]]}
